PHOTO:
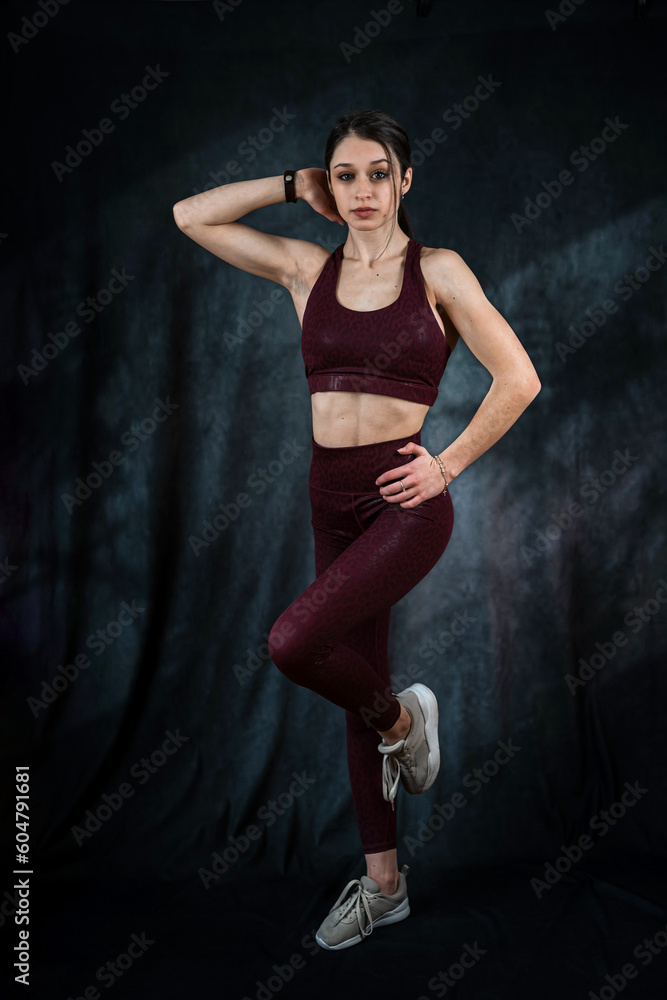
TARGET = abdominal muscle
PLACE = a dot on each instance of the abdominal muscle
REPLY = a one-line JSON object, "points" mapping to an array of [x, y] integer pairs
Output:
{"points": [[342, 418]]}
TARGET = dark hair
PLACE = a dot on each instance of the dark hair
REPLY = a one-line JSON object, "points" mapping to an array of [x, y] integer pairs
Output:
{"points": [[371, 124]]}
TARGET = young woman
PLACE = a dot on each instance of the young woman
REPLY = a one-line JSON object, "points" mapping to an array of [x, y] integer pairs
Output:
{"points": [[380, 317]]}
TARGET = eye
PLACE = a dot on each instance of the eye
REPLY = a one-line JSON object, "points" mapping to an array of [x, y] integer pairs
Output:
{"points": [[346, 173]]}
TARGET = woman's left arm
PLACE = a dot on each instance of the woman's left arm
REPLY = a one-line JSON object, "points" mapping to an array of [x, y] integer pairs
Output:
{"points": [[515, 383], [493, 342]]}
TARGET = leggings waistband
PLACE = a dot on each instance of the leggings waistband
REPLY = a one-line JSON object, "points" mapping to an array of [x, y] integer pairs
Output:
{"points": [[354, 468]]}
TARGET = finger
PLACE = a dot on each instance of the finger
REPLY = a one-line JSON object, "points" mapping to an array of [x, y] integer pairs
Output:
{"points": [[398, 473], [396, 489], [401, 470], [400, 495], [412, 503], [392, 488], [414, 500], [406, 501]]}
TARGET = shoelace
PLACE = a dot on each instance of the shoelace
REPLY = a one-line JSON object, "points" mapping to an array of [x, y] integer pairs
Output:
{"points": [[397, 758], [359, 896]]}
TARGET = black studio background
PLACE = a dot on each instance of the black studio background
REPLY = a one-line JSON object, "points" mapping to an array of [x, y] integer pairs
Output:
{"points": [[146, 384]]}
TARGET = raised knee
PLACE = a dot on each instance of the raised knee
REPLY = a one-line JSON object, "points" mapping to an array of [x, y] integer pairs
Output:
{"points": [[285, 647], [295, 653]]}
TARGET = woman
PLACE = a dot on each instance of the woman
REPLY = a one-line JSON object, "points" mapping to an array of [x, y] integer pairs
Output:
{"points": [[380, 317]]}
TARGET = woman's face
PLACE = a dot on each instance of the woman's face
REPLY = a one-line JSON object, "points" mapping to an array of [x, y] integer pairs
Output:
{"points": [[360, 178]]}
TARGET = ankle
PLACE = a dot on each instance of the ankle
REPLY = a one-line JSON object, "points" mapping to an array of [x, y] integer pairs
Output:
{"points": [[388, 883], [400, 729]]}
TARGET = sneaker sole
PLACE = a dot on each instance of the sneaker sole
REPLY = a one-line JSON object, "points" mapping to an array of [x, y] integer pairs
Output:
{"points": [[391, 917], [429, 707]]}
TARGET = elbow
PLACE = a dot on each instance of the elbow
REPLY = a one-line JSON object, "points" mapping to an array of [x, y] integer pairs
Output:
{"points": [[179, 215], [528, 383], [529, 390], [534, 386], [521, 385]]}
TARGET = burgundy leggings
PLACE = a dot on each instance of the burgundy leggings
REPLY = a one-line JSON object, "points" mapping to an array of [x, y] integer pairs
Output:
{"points": [[333, 638]]}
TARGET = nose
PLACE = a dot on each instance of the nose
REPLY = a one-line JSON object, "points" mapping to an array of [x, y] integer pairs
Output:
{"points": [[363, 190]]}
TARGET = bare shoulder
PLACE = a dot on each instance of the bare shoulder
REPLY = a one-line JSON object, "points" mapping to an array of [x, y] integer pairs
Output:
{"points": [[448, 274], [477, 321]]}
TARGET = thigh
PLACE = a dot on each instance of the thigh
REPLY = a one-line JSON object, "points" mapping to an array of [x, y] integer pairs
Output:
{"points": [[334, 523], [398, 547], [375, 570], [335, 526]]}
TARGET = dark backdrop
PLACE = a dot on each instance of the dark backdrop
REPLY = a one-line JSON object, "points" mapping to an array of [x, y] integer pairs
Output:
{"points": [[146, 384]]}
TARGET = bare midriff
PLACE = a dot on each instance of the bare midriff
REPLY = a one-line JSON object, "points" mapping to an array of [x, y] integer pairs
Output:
{"points": [[341, 418]]}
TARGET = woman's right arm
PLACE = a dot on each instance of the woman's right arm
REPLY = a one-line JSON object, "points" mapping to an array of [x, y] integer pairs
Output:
{"points": [[209, 218]]}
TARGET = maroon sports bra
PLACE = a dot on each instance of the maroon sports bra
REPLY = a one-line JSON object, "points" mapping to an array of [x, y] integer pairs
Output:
{"points": [[398, 350]]}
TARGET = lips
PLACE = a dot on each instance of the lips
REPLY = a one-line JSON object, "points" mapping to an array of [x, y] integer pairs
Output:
{"points": [[363, 211]]}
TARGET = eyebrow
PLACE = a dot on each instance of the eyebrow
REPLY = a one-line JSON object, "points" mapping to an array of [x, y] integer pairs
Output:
{"points": [[383, 159]]}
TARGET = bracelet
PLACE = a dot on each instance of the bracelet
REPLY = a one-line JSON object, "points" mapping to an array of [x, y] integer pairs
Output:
{"points": [[290, 189], [437, 458]]}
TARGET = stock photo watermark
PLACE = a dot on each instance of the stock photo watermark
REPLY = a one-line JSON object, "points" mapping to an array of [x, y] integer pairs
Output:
{"points": [[454, 117], [30, 25], [94, 137], [445, 979], [141, 771], [376, 366], [131, 439], [282, 974], [364, 34], [112, 970], [430, 649], [303, 607], [381, 700], [6, 569], [591, 490], [474, 780], [259, 481], [626, 286], [9, 907], [606, 651], [645, 952], [600, 824], [565, 10], [222, 7], [459, 624], [268, 814], [246, 327], [580, 158], [97, 641], [88, 309], [249, 148]]}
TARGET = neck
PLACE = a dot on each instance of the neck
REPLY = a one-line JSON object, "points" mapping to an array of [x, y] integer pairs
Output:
{"points": [[371, 248]]}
